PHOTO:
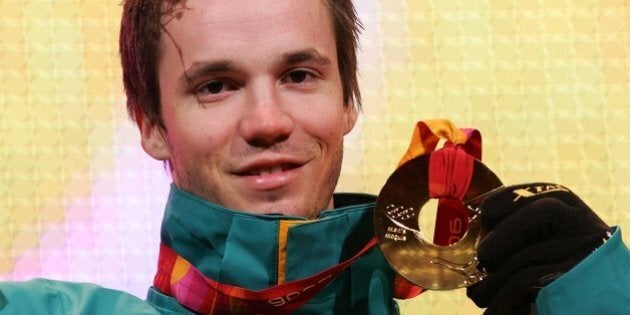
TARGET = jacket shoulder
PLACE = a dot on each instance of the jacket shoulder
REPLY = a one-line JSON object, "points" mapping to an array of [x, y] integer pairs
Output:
{"points": [[43, 296]]}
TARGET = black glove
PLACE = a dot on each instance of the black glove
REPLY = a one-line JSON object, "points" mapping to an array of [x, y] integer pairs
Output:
{"points": [[537, 232]]}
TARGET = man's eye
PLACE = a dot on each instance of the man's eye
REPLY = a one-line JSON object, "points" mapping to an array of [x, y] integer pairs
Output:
{"points": [[215, 90], [215, 87], [299, 76]]}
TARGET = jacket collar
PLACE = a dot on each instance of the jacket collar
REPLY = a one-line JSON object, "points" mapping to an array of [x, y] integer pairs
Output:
{"points": [[258, 251]]}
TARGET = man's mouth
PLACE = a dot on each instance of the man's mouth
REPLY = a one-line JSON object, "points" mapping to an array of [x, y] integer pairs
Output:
{"points": [[267, 170], [269, 176]]}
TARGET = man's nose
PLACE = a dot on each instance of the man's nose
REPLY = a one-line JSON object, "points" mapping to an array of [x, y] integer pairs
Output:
{"points": [[267, 120]]}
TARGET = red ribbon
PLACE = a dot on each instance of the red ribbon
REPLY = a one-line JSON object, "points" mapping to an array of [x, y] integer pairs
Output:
{"points": [[450, 173], [452, 217], [176, 277]]}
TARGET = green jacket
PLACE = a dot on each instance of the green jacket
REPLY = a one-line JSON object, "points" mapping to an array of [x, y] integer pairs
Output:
{"points": [[244, 250]]}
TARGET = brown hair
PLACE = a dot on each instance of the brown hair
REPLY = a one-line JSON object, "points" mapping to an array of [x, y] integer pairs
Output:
{"points": [[141, 28]]}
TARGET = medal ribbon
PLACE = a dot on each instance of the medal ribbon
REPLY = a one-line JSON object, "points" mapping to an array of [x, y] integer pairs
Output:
{"points": [[450, 171], [176, 277]]}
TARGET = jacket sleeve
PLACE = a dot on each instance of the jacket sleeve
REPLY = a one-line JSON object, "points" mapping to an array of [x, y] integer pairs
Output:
{"points": [[600, 284], [41, 296]]}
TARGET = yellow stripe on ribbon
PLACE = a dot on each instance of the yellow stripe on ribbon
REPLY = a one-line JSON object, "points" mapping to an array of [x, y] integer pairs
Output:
{"points": [[428, 133], [180, 269]]}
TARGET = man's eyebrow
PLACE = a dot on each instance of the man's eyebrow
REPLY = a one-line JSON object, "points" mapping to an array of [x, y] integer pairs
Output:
{"points": [[202, 68], [306, 55]]}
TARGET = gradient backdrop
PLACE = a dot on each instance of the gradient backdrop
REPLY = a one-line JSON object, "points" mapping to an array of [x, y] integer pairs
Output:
{"points": [[547, 83]]}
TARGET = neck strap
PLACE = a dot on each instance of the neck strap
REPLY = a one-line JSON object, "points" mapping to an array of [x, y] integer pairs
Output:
{"points": [[176, 277]]}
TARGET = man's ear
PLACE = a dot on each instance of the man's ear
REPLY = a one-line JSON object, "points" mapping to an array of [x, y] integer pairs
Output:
{"points": [[153, 140], [351, 113]]}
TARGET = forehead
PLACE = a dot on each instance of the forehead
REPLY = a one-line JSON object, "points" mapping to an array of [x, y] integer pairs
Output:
{"points": [[238, 10], [236, 26]]}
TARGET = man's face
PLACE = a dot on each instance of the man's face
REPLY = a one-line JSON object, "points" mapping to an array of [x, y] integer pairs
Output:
{"points": [[252, 104]]}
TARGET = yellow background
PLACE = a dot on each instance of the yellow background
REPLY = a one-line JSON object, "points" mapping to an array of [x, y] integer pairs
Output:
{"points": [[546, 82]]}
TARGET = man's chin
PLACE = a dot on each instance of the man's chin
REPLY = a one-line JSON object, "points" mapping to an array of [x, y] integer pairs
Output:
{"points": [[279, 202], [278, 206]]}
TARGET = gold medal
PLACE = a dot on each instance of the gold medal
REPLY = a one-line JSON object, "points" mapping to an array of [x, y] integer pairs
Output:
{"points": [[407, 249]]}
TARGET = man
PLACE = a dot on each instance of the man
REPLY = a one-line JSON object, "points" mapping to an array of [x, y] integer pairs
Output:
{"points": [[248, 103]]}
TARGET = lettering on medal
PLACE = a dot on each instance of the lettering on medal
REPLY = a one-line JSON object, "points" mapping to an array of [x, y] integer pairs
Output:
{"points": [[455, 228], [396, 234]]}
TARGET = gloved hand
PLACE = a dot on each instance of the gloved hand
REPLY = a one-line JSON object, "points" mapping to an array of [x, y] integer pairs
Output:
{"points": [[537, 232]]}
